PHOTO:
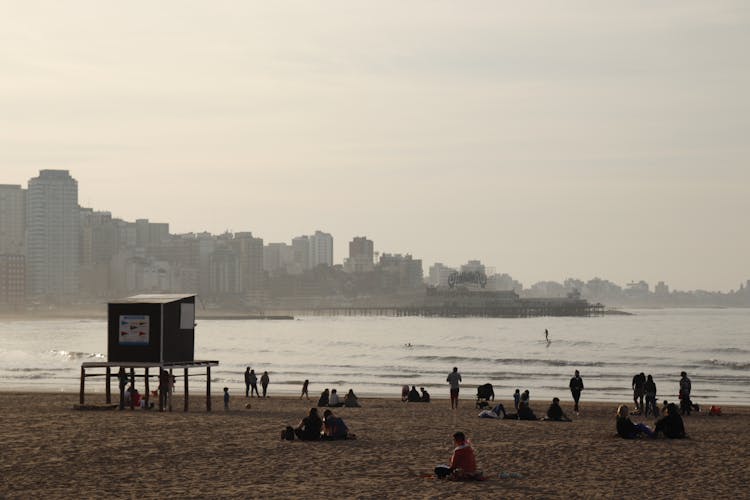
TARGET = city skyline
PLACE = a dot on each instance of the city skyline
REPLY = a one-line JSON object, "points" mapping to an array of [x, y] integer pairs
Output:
{"points": [[547, 141]]}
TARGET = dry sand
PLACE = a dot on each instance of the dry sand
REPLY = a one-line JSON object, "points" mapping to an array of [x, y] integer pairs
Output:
{"points": [[52, 451]]}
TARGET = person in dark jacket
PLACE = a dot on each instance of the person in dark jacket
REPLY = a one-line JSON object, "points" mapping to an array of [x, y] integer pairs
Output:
{"points": [[324, 396], [576, 386], [639, 390], [650, 390], [626, 429], [555, 412], [671, 424], [413, 396], [425, 397], [310, 426]]}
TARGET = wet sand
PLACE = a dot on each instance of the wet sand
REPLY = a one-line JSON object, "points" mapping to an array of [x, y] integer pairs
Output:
{"points": [[51, 450]]}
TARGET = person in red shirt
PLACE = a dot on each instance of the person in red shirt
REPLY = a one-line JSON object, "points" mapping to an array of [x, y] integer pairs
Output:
{"points": [[463, 462]]}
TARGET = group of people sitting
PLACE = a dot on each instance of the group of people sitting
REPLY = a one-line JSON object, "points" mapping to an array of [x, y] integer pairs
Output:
{"points": [[670, 424], [412, 396], [332, 399], [555, 412], [313, 428]]}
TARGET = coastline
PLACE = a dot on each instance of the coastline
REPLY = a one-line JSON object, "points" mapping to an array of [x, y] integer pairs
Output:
{"points": [[52, 450]]}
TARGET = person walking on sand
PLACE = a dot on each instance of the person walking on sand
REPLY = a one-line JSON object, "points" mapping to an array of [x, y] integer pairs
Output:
{"points": [[253, 384], [264, 382], [454, 379], [576, 386], [304, 390]]}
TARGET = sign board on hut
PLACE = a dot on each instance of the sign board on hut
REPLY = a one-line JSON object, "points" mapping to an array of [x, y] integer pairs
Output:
{"points": [[153, 328]]}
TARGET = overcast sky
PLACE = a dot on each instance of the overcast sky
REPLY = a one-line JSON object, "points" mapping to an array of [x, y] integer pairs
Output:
{"points": [[547, 139]]}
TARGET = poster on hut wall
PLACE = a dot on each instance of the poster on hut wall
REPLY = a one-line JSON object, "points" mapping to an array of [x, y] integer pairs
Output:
{"points": [[134, 330]]}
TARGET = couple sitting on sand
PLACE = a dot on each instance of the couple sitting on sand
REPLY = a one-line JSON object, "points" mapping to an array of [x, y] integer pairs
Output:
{"points": [[312, 428], [463, 464], [670, 425]]}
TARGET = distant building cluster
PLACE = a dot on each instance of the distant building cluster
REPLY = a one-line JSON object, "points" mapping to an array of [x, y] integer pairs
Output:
{"points": [[55, 252]]}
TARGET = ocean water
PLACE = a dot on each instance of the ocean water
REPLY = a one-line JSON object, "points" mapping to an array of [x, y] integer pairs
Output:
{"points": [[377, 355]]}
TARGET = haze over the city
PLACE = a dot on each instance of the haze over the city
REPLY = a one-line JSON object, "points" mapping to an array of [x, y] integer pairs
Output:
{"points": [[548, 139]]}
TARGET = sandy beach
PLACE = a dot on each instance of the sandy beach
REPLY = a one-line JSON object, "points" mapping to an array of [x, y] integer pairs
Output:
{"points": [[51, 450]]}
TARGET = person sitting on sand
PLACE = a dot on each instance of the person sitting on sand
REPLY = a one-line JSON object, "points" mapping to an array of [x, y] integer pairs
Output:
{"points": [[555, 412], [334, 427], [350, 400], [626, 429], [425, 397], [524, 410], [671, 423], [334, 401], [323, 400], [310, 426], [497, 412], [413, 396], [404, 392], [463, 464]]}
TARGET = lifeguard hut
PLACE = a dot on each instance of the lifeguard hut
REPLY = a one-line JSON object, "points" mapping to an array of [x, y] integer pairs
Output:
{"points": [[145, 332]]}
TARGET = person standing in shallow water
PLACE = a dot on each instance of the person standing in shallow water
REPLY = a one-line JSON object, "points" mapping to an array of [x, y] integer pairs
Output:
{"points": [[454, 379], [247, 381], [576, 386]]}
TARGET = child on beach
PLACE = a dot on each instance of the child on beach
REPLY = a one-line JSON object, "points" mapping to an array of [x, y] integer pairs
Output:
{"points": [[226, 398], [304, 390], [517, 398]]}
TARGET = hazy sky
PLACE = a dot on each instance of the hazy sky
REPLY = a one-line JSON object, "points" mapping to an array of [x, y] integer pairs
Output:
{"points": [[548, 139]]}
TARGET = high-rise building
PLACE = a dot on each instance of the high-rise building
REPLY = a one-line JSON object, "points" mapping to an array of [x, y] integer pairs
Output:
{"points": [[249, 251], [277, 257], [321, 249], [12, 281], [52, 237], [361, 253], [301, 253], [12, 219]]}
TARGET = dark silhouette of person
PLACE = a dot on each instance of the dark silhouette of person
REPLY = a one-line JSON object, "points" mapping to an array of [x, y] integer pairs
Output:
{"points": [[310, 426], [576, 386], [685, 388], [425, 398], [650, 391], [639, 390], [671, 424], [264, 382], [247, 381], [413, 396]]}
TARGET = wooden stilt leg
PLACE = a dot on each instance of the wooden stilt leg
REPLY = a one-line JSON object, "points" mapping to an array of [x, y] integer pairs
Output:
{"points": [[208, 388], [169, 393], [132, 383], [146, 388], [108, 385], [187, 405]]}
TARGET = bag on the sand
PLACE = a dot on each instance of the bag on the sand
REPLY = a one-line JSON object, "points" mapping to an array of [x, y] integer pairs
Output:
{"points": [[287, 434]]}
